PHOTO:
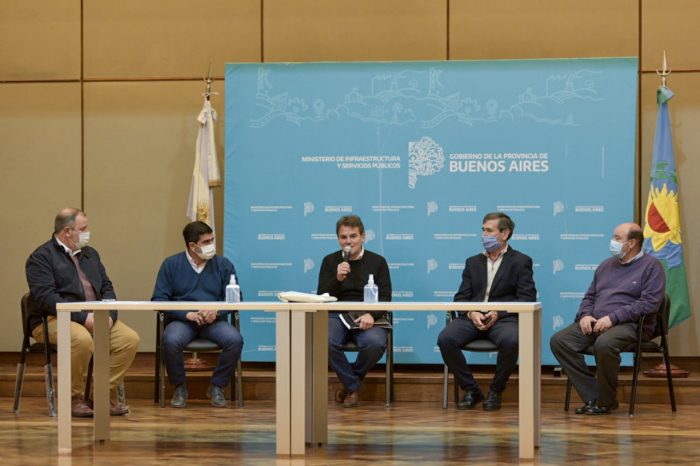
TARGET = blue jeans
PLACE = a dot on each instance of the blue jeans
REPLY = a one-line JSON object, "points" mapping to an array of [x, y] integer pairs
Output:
{"points": [[178, 334], [372, 344]]}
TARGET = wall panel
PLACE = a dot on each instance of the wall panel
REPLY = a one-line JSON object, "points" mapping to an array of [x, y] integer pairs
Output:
{"points": [[168, 38], [673, 27], [39, 39], [354, 30], [684, 111], [508, 29], [139, 157], [40, 134]]}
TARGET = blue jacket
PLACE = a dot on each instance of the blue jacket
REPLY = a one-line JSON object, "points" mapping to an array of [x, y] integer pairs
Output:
{"points": [[53, 278]]}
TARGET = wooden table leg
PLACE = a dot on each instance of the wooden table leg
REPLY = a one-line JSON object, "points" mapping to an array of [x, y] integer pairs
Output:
{"points": [[282, 382], [101, 337], [527, 398], [64, 384]]}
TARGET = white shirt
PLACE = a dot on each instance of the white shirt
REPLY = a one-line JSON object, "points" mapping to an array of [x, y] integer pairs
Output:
{"points": [[66, 248], [362, 253], [197, 268], [491, 269], [641, 253]]}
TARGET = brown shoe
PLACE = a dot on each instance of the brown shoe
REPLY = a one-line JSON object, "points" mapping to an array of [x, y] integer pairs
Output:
{"points": [[80, 408], [116, 410], [340, 395], [353, 398]]}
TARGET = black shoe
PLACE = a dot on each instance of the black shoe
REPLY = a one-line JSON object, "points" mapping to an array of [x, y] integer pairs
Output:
{"points": [[179, 397], [216, 393], [493, 401], [471, 399], [584, 409], [598, 410]]}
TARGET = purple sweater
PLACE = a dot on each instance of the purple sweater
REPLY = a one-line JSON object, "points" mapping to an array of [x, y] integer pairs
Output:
{"points": [[625, 292]]}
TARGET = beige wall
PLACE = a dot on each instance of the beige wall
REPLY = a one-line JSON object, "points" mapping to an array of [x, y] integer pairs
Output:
{"points": [[109, 123]]}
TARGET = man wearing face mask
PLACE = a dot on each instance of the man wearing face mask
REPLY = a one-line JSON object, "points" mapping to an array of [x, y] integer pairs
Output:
{"points": [[344, 275], [197, 274], [625, 287], [500, 273], [65, 269]]}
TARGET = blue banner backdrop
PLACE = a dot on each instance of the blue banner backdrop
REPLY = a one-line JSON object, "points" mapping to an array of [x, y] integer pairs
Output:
{"points": [[422, 151]]}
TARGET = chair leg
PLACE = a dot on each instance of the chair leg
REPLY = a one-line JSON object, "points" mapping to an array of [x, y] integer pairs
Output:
{"points": [[669, 377], [567, 401], [162, 381], [156, 388], [19, 382], [388, 383], [88, 382], [444, 387], [637, 360], [239, 368], [239, 383], [456, 386], [161, 361], [121, 397], [50, 392]]}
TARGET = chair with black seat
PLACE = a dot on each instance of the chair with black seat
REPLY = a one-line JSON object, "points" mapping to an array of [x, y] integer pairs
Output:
{"points": [[351, 347], [48, 368], [36, 347], [641, 346], [476, 346], [198, 345]]}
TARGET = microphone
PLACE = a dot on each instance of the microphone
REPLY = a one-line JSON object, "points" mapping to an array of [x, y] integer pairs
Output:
{"points": [[346, 255]]}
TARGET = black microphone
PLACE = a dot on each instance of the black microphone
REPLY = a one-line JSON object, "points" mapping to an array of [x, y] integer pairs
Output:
{"points": [[346, 255]]}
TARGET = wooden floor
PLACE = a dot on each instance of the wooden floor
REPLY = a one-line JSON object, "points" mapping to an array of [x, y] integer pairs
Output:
{"points": [[408, 433]]}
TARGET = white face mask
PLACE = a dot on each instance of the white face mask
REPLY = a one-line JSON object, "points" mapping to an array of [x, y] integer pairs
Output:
{"points": [[83, 239], [207, 253]]}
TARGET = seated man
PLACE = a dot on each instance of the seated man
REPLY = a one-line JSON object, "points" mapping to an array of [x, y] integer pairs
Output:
{"points": [[65, 270], [625, 287], [197, 274], [346, 281], [498, 274]]}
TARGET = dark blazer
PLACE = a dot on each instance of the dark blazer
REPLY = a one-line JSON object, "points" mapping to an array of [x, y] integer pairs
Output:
{"points": [[513, 281], [53, 278]]}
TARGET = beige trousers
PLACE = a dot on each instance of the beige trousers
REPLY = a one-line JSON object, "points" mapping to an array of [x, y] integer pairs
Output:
{"points": [[123, 345]]}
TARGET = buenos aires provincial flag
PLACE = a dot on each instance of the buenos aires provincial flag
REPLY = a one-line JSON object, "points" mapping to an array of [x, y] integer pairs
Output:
{"points": [[662, 229]]}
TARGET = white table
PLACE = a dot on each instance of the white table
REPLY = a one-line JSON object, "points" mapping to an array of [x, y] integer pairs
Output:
{"points": [[309, 331], [302, 342], [101, 362]]}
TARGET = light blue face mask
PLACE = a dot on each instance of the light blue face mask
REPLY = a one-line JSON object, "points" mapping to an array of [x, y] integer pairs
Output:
{"points": [[616, 249], [491, 243]]}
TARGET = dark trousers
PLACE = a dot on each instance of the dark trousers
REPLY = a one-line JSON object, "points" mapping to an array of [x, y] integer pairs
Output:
{"points": [[568, 346], [461, 331], [178, 334], [372, 344]]}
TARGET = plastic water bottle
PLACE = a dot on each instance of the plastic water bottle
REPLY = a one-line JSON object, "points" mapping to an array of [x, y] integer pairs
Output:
{"points": [[371, 291], [233, 291]]}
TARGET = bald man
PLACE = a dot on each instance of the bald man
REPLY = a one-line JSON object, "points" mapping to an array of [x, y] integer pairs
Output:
{"points": [[66, 269], [625, 287]]}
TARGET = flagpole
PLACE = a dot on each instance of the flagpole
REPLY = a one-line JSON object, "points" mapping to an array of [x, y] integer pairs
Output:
{"points": [[660, 369], [195, 363]]}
